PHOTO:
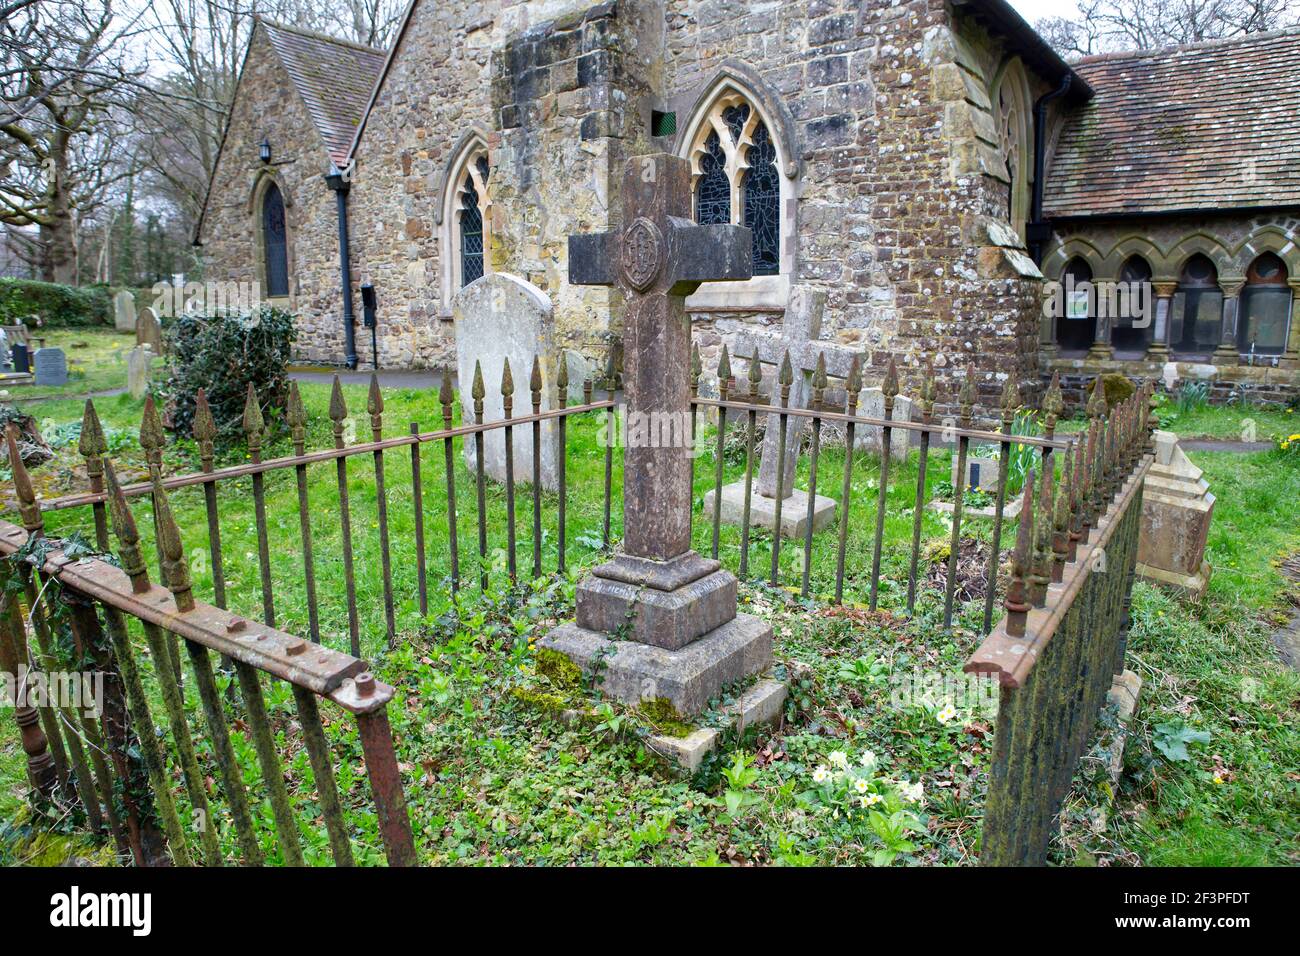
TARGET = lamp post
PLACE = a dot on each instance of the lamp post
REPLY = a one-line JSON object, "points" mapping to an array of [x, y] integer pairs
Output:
{"points": [[338, 182]]}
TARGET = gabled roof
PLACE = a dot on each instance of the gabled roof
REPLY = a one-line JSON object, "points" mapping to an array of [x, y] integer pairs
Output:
{"points": [[333, 77], [1211, 125]]}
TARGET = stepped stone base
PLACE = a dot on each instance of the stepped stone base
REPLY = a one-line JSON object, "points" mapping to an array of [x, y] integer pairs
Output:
{"points": [[1192, 585], [760, 704], [762, 510], [687, 678]]}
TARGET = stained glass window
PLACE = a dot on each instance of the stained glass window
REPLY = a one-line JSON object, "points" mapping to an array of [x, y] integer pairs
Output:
{"points": [[713, 192], [471, 235], [763, 203], [1265, 308], [274, 242], [735, 117]]}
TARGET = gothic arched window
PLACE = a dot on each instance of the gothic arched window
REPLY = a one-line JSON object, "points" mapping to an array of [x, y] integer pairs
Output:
{"points": [[737, 178], [471, 224], [1015, 133], [275, 244], [1197, 316], [1265, 308], [1135, 281], [1077, 327]]}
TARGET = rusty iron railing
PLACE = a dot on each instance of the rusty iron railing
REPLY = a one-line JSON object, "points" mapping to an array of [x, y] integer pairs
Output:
{"points": [[93, 447], [749, 404], [72, 597], [1063, 638]]}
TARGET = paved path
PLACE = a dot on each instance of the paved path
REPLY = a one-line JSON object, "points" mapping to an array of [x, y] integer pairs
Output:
{"points": [[1218, 444]]}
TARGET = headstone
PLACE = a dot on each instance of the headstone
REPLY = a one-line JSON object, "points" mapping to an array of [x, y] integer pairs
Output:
{"points": [[1176, 510], [871, 404], [124, 311], [800, 337], [982, 469], [148, 331], [138, 366], [579, 369], [51, 366], [676, 609], [21, 358], [497, 318]]}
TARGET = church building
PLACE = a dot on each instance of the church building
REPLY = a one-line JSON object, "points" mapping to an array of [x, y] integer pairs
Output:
{"points": [[931, 166]]}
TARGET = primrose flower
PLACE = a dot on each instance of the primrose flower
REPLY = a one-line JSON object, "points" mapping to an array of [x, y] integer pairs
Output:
{"points": [[839, 759], [912, 792], [865, 802], [868, 759], [821, 775], [946, 713], [872, 799], [860, 785]]}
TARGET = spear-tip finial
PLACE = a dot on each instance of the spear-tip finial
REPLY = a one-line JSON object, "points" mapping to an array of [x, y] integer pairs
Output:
{"points": [[205, 426], [253, 421], [889, 387], [92, 443], [338, 407], [375, 397], [151, 428], [535, 378], [176, 573], [507, 380], [477, 390]]}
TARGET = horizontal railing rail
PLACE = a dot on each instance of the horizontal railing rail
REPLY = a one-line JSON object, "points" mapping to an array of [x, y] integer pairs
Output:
{"points": [[77, 759]]}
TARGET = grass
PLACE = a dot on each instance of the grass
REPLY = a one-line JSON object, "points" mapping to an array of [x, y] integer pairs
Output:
{"points": [[493, 778], [96, 363]]}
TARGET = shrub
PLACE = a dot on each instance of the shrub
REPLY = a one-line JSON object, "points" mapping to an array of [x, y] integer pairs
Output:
{"points": [[223, 354], [57, 306], [1117, 388]]}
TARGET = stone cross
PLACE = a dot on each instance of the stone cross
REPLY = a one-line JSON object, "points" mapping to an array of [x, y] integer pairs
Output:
{"points": [[800, 335], [656, 260]]}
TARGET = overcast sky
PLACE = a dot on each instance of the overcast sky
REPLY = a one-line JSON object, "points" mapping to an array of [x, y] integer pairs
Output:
{"points": [[1031, 10]]}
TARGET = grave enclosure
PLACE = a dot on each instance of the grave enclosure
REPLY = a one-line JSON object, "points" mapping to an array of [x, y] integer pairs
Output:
{"points": [[686, 639]]}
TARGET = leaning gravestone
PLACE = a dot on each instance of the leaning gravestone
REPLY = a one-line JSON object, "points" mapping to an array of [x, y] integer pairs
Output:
{"points": [[50, 366], [148, 331], [800, 339], [124, 311], [684, 639], [871, 404], [1177, 506], [138, 366], [497, 318]]}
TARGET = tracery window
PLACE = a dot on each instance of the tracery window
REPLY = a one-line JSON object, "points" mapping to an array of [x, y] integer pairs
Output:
{"points": [[737, 178], [275, 243], [1265, 308], [471, 222], [1197, 316]]}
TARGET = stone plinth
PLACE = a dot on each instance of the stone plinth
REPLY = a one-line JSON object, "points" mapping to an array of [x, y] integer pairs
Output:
{"points": [[1176, 509], [762, 510]]}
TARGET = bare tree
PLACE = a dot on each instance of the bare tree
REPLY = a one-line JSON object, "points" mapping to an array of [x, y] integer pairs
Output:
{"points": [[64, 72], [1104, 26]]}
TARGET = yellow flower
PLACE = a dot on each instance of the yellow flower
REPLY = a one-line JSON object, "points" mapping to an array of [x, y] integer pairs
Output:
{"points": [[1293, 437]]}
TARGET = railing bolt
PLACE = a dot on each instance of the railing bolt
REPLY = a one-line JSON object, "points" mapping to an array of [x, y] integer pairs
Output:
{"points": [[294, 648], [235, 626], [365, 683]]}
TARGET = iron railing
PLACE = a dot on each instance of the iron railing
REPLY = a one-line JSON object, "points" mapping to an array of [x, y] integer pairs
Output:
{"points": [[1063, 638], [119, 769]]}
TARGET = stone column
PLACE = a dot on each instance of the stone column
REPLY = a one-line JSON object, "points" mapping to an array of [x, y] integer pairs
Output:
{"points": [[1047, 346], [1227, 352], [1102, 349], [1159, 350], [1291, 357]]}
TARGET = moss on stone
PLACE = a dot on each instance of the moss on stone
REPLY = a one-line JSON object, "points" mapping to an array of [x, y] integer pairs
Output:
{"points": [[664, 717], [1117, 388], [548, 701], [559, 670]]}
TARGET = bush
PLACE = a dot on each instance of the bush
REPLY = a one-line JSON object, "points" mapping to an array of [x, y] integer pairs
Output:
{"points": [[57, 306], [223, 354], [1117, 388]]}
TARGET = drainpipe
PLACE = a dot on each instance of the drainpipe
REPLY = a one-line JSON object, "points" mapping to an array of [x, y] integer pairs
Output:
{"points": [[1037, 232], [339, 183]]}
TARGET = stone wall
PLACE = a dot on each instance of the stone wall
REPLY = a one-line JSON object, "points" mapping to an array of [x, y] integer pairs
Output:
{"points": [[897, 203], [902, 209], [231, 233]]}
